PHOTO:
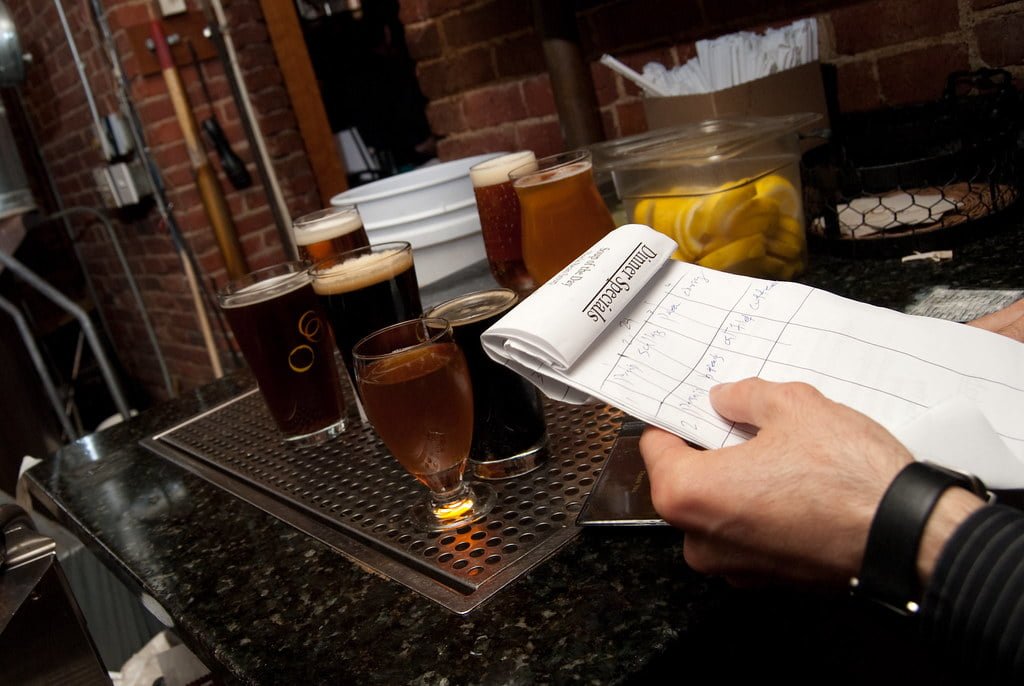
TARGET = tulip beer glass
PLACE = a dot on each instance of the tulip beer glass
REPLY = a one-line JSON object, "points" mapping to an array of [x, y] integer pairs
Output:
{"points": [[283, 332], [500, 219], [562, 212], [416, 392], [326, 232]]}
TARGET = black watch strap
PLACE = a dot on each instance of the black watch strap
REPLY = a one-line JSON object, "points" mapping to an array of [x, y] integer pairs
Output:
{"points": [[888, 573]]}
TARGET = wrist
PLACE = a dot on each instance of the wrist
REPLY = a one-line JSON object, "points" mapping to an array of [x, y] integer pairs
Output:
{"points": [[955, 505], [903, 541]]}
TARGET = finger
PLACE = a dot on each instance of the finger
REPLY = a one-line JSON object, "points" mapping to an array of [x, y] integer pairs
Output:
{"points": [[1014, 330], [670, 467], [664, 456], [1000, 319], [657, 444], [758, 402]]}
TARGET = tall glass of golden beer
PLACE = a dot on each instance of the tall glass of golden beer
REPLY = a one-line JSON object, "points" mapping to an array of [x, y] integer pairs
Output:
{"points": [[562, 212], [325, 232], [417, 394], [500, 219], [283, 333]]}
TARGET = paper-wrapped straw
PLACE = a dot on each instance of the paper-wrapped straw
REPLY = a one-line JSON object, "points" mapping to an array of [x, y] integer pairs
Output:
{"points": [[729, 60], [637, 78]]}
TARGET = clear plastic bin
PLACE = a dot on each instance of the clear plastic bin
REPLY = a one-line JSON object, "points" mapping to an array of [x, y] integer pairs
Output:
{"points": [[727, 190]]}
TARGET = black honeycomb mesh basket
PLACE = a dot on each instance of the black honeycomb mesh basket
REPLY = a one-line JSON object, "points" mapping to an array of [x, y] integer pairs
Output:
{"points": [[917, 178]]}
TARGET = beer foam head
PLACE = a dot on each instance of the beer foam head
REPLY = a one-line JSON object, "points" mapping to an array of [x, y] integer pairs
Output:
{"points": [[473, 307], [361, 271], [326, 224], [265, 289], [495, 171], [556, 174]]}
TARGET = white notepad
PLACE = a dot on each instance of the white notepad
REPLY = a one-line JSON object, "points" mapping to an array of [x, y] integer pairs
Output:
{"points": [[627, 325]]}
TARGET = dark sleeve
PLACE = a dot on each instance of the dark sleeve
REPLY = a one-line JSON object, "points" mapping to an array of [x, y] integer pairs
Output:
{"points": [[973, 608]]}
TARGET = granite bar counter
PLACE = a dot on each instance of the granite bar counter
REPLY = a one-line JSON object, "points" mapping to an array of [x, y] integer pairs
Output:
{"points": [[261, 602]]}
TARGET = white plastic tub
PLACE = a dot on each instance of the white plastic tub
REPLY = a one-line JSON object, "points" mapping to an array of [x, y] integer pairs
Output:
{"points": [[419, 194], [442, 246]]}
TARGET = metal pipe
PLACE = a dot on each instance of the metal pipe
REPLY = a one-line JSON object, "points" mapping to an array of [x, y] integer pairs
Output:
{"points": [[132, 285], [159, 194], [226, 50], [100, 128], [59, 200], [40, 365], [78, 313]]}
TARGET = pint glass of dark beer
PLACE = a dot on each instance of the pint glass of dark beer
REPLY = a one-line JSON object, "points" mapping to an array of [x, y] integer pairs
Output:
{"points": [[509, 434], [283, 333], [367, 289], [327, 232]]}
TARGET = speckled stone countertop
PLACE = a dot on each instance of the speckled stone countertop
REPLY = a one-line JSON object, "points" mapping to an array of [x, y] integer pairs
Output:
{"points": [[261, 602]]}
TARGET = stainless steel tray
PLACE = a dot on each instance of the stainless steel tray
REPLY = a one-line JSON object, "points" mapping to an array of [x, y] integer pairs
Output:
{"points": [[352, 494]]}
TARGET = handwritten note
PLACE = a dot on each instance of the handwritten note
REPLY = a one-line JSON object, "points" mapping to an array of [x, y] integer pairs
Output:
{"points": [[666, 343]]}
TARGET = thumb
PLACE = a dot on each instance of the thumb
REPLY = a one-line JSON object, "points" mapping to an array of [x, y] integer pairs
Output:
{"points": [[758, 403], [662, 451]]}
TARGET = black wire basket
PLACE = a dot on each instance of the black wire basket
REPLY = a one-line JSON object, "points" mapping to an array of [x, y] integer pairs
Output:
{"points": [[917, 178]]}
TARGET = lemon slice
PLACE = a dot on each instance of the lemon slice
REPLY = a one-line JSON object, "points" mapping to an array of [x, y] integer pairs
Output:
{"points": [[665, 212], [779, 189], [683, 219], [709, 219], [756, 215], [766, 267], [643, 210], [787, 242], [734, 253]]}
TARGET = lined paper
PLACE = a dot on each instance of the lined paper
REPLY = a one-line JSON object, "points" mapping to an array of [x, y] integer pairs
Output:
{"points": [[688, 328]]}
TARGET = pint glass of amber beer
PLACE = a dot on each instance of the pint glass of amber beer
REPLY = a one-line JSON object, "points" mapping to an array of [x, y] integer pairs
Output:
{"points": [[509, 434], [283, 333], [367, 289], [500, 219], [562, 212], [417, 394], [326, 232]]}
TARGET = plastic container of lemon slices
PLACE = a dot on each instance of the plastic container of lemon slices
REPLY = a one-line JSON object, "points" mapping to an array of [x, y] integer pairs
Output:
{"points": [[727, 190]]}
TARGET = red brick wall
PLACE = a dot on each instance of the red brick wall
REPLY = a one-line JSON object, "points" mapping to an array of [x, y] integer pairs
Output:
{"points": [[56, 105], [481, 66], [479, 63]]}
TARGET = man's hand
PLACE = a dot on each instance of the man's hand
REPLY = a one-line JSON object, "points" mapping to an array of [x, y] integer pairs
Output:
{"points": [[1008, 321], [792, 504]]}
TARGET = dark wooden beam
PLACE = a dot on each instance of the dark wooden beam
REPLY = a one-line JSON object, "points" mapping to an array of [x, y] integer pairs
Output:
{"points": [[304, 92]]}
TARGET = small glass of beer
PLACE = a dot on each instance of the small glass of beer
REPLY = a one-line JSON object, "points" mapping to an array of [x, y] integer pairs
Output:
{"points": [[417, 394], [509, 433], [562, 212], [283, 333], [500, 220], [326, 232], [367, 289]]}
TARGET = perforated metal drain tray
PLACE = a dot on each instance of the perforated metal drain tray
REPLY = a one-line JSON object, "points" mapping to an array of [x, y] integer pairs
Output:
{"points": [[352, 494]]}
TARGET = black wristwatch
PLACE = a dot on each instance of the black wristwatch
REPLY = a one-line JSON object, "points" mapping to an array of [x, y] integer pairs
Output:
{"points": [[888, 574]]}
